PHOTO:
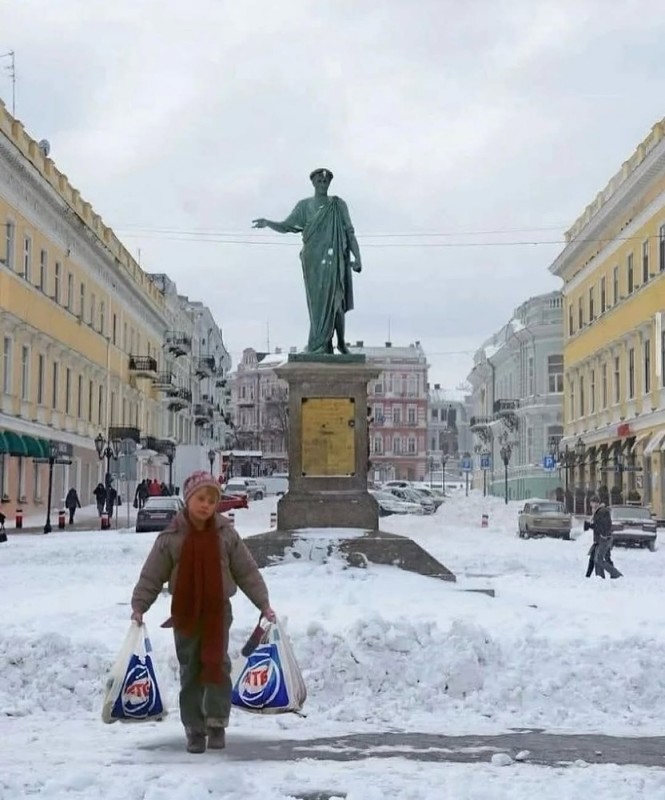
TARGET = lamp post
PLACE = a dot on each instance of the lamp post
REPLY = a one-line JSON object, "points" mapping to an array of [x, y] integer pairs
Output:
{"points": [[505, 453], [430, 466], [212, 455], [52, 455], [169, 452], [107, 449]]}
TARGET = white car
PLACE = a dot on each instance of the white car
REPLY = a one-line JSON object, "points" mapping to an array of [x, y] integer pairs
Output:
{"points": [[249, 487], [389, 504]]}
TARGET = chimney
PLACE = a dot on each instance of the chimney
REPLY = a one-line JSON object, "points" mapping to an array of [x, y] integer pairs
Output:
{"points": [[278, 351], [417, 343], [293, 349], [360, 343], [389, 344], [437, 385]]}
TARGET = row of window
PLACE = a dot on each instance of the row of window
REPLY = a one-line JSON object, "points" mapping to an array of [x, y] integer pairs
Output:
{"points": [[397, 445], [587, 307], [394, 413], [398, 383], [68, 295], [595, 396]]}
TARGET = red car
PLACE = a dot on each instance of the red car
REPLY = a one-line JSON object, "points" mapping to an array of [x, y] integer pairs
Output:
{"points": [[231, 501]]}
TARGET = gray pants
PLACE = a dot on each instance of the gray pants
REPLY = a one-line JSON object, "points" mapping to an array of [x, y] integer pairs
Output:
{"points": [[602, 561], [201, 705]]}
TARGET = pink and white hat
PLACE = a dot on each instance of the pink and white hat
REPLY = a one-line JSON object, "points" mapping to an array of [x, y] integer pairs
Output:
{"points": [[199, 480]]}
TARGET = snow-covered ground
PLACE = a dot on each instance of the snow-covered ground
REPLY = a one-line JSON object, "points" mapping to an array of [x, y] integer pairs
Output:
{"points": [[381, 650]]}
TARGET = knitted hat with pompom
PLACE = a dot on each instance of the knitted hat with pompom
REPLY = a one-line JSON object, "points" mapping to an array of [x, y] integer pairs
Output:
{"points": [[199, 480]]}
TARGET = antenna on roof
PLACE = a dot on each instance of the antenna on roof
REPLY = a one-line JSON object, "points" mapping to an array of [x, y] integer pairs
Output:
{"points": [[267, 336], [11, 69]]}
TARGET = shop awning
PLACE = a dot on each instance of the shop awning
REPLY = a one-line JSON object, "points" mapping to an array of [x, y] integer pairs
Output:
{"points": [[657, 443], [15, 445], [3, 444], [34, 448], [641, 438]]}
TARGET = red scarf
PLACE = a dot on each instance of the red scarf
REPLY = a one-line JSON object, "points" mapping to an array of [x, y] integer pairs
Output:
{"points": [[198, 598]]}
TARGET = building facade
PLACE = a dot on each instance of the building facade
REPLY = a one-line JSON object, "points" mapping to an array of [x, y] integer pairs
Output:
{"points": [[398, 403], [259, 411], [83, 332], [517, 395], [448, 433], [613, 269]]}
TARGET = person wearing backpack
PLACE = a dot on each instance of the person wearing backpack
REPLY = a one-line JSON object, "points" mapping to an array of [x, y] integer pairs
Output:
{"points": [[204, 560]]}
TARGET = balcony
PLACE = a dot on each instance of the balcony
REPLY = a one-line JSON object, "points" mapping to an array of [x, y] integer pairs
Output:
{"points": [[506, 411], [202, 413], [220, 382], [161, 446], [204, 367], [182, 398], [165, 382], [143, 367], [480, 426], [123, 432], [246, 401], [177, 343]]}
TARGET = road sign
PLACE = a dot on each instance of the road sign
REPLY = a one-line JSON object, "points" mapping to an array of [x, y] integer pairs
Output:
{"points": [[467, 466], [485, 461], [549, 463]]}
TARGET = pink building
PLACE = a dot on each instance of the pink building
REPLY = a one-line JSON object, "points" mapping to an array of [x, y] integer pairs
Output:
{"points": [[398, 405]]}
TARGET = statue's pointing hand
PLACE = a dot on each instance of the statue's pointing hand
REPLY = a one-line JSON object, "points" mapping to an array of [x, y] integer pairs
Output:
{"points": [[259, 223], [356, 266]]}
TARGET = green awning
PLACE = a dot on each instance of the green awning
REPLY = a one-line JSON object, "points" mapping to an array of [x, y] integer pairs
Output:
{"points": [[3, 444], [15, 444], [33, 448]]}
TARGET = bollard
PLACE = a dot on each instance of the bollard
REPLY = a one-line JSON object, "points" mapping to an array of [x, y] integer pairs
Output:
{"points": [[104, 521], [232, 517], [484, 521], [19, 518], [61, 519], [273, 519]]}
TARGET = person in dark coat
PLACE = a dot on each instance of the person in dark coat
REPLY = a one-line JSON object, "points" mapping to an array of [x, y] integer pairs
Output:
{"points": [[72, 502], [164, 490], [100, 498], [141, 494], [111, 498], [601, 525]]}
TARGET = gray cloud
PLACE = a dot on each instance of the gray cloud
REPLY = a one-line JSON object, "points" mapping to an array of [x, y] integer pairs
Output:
{"points": [[435, 117]]}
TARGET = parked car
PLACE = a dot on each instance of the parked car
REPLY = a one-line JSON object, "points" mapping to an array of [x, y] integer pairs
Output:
{"points": [[389, 504], [228, 502], [277, 483], [633, 525], [428, 493], [250, 487], [544, 518], [409, 495], [157, 513]]}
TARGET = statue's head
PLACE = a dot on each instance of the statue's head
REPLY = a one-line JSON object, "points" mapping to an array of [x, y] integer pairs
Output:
{"points": [[321, 178]]}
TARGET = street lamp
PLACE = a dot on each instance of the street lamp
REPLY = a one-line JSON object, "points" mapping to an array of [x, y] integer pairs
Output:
{"points": [[430, 466], [212, 455], [553, 446], [107, 449], [169, 452], [53, 452], [505, 453], [580, 450]]}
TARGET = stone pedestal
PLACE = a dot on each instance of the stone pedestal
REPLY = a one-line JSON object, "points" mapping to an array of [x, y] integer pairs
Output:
{"points": [[328, 511], [328, 444]]}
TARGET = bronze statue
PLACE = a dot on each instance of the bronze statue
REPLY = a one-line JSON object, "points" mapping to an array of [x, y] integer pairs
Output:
{"points": [[329, 241]]}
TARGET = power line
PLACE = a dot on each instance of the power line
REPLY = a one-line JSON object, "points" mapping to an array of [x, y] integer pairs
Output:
{"points": [[511, 243]]}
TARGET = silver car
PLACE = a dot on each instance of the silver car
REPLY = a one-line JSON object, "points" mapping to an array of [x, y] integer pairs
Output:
{"points": [[633, 525], [544, 518]]}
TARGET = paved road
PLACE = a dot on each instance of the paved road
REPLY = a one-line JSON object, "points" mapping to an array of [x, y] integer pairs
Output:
{"points": [[544, 748]]}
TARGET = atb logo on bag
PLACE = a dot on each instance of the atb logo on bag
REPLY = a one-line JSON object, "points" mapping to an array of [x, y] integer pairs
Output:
{"points": [[261, 680], [138, 691]]}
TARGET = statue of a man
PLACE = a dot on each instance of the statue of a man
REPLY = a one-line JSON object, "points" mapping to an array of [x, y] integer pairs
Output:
{"points": [[329, 241]]}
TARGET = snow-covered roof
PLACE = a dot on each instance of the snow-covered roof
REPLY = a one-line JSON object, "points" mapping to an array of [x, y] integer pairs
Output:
{"points": [[442, 395], [412, 352]]}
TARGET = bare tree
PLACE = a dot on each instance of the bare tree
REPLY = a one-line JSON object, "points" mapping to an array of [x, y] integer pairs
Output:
{"points": [[276, 416]]}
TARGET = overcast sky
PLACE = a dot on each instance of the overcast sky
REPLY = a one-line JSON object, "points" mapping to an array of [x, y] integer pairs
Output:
{"points": [[182, 121]]}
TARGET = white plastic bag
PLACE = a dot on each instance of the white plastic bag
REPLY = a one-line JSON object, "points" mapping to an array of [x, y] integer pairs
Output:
{"points": [[269, 680], [132, 690]]}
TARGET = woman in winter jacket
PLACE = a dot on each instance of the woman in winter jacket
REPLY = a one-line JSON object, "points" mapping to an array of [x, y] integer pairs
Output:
{"points": [[72, 502]]}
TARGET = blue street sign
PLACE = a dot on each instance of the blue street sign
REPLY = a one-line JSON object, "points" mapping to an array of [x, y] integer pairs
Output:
{"points": [[549, 463], [467, 466], [485, 462]]}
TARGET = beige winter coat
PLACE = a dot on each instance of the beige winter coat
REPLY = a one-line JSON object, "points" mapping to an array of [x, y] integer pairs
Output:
{"points": [[237, 565]]}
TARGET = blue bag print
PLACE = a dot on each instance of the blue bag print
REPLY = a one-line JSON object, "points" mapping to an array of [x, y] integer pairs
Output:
{"points": [[132, 690], [270, 681]]}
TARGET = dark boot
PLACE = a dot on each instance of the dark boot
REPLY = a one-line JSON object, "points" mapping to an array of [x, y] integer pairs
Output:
{"points": [[196, 740], [216, 738]]}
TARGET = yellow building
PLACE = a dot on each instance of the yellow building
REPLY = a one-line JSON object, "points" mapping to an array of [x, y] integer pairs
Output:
{"points": [[81, 326], [613, 269]]}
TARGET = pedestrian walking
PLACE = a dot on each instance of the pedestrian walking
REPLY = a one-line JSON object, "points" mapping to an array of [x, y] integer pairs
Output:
{"points": [[72, 502], [204, 560], [601, 525], [100, 498]]}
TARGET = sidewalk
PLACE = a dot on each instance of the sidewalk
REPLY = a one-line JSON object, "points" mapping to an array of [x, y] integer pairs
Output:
{"points": [[86, 519]]}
